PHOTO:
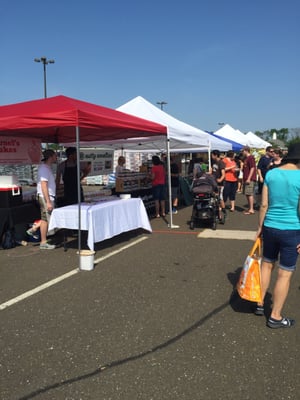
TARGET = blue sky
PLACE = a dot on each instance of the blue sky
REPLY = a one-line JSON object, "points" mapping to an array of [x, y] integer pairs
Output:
{"points": [[212, 61]]}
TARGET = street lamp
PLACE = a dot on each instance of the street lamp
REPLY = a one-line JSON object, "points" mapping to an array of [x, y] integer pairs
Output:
{"points": [[45, 61], [161, 103]]}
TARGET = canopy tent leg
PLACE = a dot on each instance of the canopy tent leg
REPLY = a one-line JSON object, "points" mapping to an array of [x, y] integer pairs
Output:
{"points": [[170, 225], [78, 192]]}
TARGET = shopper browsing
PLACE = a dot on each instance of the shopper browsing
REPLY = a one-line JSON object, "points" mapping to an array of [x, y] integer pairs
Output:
{"points": [[158, 177], [279, 225], [46, 194]]}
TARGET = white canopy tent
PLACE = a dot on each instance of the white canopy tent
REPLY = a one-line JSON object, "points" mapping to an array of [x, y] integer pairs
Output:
{"points": [[182, 137], [255, 141], [248, 139], [227, 132]]}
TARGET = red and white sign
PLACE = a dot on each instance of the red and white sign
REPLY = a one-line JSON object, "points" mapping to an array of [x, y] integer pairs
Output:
{"points": [[20, 151]]}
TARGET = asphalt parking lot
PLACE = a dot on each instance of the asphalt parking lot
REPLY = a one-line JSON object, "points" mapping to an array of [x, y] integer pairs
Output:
{"points": [[154, 320]]}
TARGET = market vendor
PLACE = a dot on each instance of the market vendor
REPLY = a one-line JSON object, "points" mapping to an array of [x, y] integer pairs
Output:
{"points": [[120, 168], [67, 176]]}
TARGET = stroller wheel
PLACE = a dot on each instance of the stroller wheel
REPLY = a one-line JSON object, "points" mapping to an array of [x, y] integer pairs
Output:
{"points": [[192, 225]]}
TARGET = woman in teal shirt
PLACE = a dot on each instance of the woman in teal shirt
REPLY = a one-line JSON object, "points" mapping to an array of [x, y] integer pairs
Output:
{"points": [[279, 225]]}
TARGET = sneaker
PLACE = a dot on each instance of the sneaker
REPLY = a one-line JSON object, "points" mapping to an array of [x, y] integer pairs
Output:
{"points": [[281, 323], [259, 310], [174, 211], [47, 246], [32, 234]]}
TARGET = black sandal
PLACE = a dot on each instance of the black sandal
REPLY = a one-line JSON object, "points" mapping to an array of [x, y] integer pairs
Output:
{"points": [[281, 323]]}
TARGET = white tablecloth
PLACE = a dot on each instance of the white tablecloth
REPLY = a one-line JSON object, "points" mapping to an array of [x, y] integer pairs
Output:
{"points": [[103, 219]]}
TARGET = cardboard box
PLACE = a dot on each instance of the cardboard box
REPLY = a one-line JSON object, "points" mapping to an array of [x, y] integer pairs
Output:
{"points": [[119, 185], [10, 196]]}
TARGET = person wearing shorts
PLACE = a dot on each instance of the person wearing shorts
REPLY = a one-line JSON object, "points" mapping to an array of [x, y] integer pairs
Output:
{"points": [[279, 225], [231, 180], [158, 177], [46, 188]]}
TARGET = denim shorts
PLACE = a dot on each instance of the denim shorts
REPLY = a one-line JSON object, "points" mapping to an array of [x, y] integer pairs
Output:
{"points": [[159, 192], [282, 243]]}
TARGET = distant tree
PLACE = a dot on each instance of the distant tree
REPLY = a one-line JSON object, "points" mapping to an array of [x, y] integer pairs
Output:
{"points": [[293, 141], [282, 134], [294, 133], [260, 134]]}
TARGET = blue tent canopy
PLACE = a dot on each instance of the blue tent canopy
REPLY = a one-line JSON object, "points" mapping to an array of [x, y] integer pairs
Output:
{"points": [[235, 146]]}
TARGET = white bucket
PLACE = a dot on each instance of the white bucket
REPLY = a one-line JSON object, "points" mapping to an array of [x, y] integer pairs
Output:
{"points": [[125, 196], [86, 260]]}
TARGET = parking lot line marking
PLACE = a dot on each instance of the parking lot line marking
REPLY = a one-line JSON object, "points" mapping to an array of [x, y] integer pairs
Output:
{"points": [[46, 285], [37, 289], [176, 232], [227, 234]]}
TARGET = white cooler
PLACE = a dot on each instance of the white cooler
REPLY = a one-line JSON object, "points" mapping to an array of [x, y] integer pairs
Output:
{"points": [[10, 191]]}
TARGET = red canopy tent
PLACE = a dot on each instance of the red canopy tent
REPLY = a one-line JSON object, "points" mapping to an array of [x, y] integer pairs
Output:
{"points": [[62, 119], [55, 119]]}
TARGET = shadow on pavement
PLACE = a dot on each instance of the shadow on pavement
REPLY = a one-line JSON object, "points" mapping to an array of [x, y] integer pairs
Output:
{"points": [[69, 239], [126, 360], [243, 306]]}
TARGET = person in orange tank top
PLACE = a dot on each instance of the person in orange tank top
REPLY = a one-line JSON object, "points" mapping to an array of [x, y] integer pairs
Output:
{"points": [[231, 179]]}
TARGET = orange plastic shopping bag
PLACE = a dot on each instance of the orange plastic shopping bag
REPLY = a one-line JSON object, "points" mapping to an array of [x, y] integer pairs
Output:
{"points": [[248, 285]]}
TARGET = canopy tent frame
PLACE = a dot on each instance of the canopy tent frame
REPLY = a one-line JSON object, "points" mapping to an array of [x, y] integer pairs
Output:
{"points": [[58, 119], [178, 131]]}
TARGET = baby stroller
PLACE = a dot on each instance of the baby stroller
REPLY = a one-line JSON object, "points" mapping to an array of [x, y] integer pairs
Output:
{"points": [[206, 200]]}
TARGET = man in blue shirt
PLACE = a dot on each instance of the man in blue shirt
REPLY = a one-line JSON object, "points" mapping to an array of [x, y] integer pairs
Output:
{"points": [[262, 167]]}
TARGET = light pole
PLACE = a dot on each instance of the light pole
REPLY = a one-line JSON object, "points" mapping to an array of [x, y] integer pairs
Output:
{"points": [[45, 61], [161, 103]]}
